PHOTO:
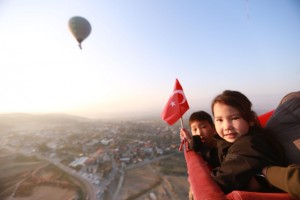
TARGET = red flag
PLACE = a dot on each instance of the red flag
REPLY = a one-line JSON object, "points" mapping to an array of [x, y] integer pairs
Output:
{"points": [[176, 106], [263, 119]]}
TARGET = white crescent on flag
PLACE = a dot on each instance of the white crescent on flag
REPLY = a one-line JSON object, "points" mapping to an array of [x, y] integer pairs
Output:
{"points": [[180, 92]]}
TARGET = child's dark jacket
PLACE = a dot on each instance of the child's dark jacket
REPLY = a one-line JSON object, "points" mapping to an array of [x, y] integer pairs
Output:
{"points": [[241, 160]]}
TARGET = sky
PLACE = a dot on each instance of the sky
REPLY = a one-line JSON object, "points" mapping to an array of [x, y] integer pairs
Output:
{"points": [[137, 48]]}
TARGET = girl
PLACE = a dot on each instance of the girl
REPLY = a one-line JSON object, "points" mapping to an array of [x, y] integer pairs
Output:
{"points": [[243, 146]]}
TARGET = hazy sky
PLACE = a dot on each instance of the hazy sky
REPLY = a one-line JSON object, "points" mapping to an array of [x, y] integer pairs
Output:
{"points": [[136, 50]]}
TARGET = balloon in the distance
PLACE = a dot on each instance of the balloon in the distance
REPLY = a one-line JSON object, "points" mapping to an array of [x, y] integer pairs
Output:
{"points": [[80, 28]]}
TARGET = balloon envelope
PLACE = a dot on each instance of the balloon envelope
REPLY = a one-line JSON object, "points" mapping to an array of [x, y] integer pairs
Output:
{"points": [[80, 28]]}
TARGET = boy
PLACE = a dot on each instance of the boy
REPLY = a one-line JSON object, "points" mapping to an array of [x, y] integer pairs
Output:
{"points": [[201, 140]]}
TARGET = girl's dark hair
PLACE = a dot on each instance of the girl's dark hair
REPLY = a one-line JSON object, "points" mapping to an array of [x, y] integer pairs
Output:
{"points": [[240, 102], [201, 116]]}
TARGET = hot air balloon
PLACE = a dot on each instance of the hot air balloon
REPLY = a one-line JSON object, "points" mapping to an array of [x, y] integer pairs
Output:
{"points": [[80, 28]]}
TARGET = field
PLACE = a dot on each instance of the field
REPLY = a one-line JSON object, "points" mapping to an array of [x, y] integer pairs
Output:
{"points": [[165, 179], [25, 178]]}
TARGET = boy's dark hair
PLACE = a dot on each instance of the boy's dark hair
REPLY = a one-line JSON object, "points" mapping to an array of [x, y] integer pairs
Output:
{"points": [[201, 116]]}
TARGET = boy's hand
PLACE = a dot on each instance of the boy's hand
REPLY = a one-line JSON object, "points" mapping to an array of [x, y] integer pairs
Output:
{"points": [[185, 139], [185, 134]]}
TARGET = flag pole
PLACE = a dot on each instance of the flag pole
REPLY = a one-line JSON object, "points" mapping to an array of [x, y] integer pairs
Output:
{"points": [[181, 121], [183, 139]]}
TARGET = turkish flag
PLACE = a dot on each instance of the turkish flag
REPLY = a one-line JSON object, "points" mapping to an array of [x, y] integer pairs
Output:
{"points": [[176, 106]]}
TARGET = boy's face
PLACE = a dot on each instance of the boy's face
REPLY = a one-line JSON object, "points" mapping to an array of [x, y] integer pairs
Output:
{"points": [[203, 129], [229, 123]]}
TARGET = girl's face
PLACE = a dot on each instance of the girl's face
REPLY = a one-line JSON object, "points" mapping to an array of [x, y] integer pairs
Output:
{"points": [[229, 122], [203, 129]]}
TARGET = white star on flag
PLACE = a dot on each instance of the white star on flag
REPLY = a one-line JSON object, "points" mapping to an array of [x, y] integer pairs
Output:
{"points": [[173, 103]]}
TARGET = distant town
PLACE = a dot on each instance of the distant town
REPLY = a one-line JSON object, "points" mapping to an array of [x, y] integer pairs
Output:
{"points": [[95, 150]]}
